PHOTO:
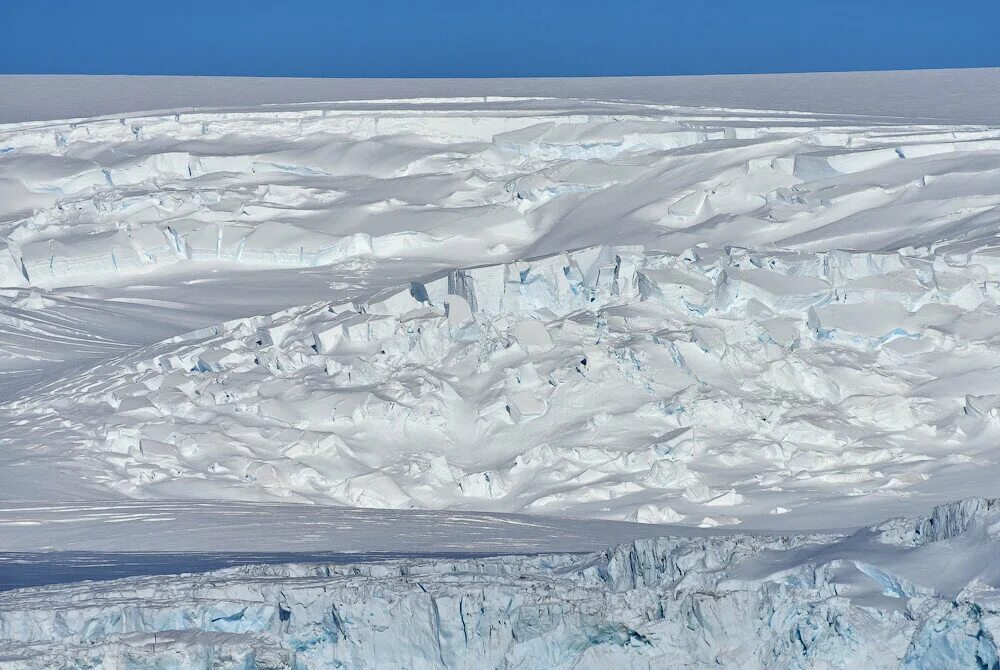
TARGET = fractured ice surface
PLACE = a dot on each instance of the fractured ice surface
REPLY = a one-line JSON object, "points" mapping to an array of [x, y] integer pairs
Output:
{"points": [[612, 310], [606, 381], [875, 599]]}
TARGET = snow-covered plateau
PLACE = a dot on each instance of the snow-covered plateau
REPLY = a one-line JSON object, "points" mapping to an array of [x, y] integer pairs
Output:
{"points": [[517, 324]]}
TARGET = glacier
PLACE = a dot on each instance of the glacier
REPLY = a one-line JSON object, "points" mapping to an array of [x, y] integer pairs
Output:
{"points": [[874, 598], [415, 305], [655, 373]]}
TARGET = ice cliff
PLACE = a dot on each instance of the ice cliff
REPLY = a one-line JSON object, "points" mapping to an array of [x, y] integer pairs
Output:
{"points": [[876, 598]]}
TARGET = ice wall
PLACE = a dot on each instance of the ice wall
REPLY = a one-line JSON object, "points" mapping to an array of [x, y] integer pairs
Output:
{"points": [[751, 601]]}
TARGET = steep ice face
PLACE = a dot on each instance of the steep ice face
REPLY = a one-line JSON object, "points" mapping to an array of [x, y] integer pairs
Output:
{"points": [[749, 600]]}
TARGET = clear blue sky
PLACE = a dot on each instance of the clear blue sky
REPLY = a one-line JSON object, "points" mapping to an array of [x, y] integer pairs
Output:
{"points": [[392, 38]]}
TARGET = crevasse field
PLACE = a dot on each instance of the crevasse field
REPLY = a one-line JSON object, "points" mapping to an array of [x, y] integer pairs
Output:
{"points": [[503, 381]]}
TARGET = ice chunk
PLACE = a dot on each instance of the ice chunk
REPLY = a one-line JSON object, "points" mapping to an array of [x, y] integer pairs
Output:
{"points": [[779, 292], [871, 320], [372, 490], [729, 498], [531, 335], [525, 405], [651, 513]]}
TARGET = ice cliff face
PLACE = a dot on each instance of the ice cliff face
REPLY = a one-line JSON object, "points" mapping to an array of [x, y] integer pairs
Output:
{"points": [[873, 599]]}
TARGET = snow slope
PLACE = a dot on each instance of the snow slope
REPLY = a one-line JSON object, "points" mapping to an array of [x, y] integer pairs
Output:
{"points": [[583, 308], [874, 599]]}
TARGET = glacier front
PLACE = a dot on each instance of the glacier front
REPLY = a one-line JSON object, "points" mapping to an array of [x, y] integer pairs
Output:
{"points": [[876, 598]]}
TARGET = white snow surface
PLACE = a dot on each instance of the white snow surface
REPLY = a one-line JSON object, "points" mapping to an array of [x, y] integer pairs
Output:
{"points": [[959, 95], [873, 599], [612, 310]]}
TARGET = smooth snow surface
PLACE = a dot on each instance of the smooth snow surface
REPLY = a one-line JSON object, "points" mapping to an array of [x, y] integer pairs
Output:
{"points": [[952, 95], [156, 527], [590, 309], [873, 599]]}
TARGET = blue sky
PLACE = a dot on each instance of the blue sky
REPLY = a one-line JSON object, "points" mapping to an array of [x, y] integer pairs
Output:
{"points": [[392, 38]]}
